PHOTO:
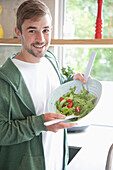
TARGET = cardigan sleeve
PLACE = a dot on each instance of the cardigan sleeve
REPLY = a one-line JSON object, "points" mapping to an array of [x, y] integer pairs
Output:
{"points": [[50, 56], [17, 123]]}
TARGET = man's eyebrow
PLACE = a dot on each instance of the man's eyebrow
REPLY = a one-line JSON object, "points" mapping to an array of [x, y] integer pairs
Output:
{"points": [[47, 27], [30, 27]]}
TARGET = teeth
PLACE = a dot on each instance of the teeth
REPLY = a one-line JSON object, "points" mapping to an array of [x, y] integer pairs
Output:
{"points": [[39, 46]]}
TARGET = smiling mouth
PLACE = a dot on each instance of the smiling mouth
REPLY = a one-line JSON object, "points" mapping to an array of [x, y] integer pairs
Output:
{"points": [[39, 46]]}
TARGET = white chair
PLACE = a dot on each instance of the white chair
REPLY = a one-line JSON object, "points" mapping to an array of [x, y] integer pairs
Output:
{"points": [[109, 162]]}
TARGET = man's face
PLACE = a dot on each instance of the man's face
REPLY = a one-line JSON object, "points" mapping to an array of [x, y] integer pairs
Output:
{"points": [[36, 37]]}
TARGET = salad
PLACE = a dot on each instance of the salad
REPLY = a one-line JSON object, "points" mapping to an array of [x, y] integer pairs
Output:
{"points": [[78, 104]]}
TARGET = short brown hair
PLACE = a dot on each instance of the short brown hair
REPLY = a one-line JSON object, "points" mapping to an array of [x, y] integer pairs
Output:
{"points": [[31, 9]]}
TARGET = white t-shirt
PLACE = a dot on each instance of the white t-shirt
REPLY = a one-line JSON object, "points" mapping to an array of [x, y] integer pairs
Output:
{"points": [[41, 79]]}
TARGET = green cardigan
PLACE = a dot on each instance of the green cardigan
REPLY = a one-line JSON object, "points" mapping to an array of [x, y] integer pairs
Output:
{"points": [[20, 129]]}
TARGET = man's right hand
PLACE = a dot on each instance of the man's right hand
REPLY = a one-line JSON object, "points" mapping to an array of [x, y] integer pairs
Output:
{"points": [[57, 126]]}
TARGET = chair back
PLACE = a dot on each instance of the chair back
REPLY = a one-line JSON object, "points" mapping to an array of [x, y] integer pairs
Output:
{"points": [[109, 162]]}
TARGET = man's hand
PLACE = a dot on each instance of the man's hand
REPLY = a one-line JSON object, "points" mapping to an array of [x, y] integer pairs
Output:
{"points": [[79, 76], [57, 126]]}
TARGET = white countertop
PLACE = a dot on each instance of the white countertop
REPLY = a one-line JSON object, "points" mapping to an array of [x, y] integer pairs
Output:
{"points": [[95, 142]]}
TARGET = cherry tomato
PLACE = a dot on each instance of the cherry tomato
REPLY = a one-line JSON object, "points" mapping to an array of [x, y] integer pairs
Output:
{"points": [[69, 100], [61, 98], [70, 105], [77, 109]]}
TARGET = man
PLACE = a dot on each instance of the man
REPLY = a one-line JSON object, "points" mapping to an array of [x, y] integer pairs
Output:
{"points": [[26, 81]]}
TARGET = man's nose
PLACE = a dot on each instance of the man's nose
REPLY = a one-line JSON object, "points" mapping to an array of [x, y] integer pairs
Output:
{"points": [[39, 37]]}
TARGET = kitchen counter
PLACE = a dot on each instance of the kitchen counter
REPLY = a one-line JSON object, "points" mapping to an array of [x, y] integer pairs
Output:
{"points": [[95, 142]]}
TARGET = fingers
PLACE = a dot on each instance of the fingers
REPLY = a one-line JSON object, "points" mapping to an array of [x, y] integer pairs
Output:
{"points": [[58, 116], [80, 77], [52, 116], [66, 125], [56, 127]]}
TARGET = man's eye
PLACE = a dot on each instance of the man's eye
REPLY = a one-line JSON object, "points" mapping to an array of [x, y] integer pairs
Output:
{"points": [[32, 31], [46, 31]]}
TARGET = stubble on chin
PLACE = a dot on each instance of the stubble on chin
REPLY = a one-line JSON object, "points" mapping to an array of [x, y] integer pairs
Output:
{"points": [[33, 51]]}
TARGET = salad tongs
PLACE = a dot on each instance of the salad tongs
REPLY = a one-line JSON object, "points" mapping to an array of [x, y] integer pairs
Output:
{"points": [[87, 72]]}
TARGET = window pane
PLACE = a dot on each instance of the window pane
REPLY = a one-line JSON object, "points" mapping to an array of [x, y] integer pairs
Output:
{"points": [[78, 58], [80, 19]]}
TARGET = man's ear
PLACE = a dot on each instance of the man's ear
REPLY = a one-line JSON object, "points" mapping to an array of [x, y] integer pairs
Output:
{"points": [[51, 28], [18, 33]]}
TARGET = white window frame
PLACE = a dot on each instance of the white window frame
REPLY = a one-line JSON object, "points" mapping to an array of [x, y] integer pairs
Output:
{"points": [[58, 28]]}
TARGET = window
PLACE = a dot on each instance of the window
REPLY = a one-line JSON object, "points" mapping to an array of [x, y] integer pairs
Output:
{"points": [[80, 19], [78, 58], [79, 23]]}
